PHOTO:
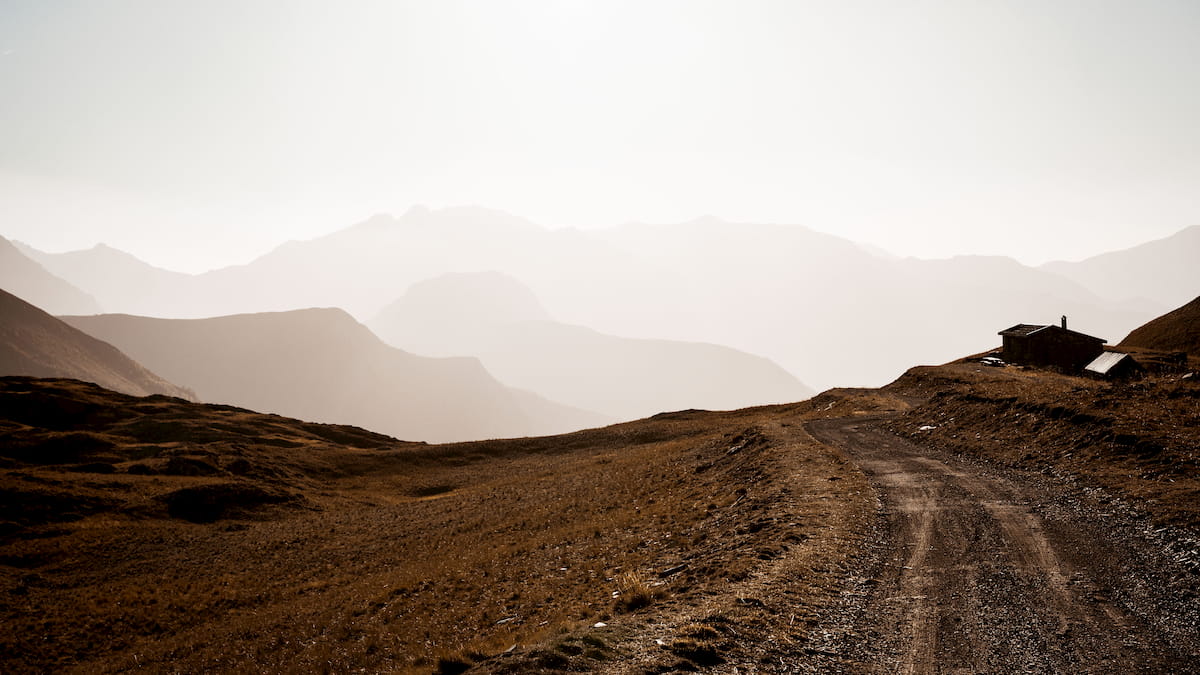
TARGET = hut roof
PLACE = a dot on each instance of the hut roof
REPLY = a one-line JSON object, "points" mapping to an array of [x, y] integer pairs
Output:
{"points": [[1104, 363], [1027, 329], [1022, 329]]}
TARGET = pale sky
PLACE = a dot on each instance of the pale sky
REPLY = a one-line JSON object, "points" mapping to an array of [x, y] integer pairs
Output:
{"points": [[200, 134]]}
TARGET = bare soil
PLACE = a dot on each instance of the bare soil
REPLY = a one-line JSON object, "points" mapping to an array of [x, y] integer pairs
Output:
{"points": [[987, 570]]}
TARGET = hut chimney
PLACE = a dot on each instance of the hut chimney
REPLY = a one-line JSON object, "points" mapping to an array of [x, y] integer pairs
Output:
{"points": [[1064, 321]]}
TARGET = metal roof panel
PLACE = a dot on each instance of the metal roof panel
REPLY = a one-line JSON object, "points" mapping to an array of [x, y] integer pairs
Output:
{"points": [[1102, 364]]}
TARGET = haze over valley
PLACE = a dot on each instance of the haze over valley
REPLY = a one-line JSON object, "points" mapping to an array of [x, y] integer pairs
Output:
{"points": [[825, 309]]}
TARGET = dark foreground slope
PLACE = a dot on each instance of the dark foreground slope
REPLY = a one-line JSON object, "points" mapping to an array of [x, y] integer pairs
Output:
{"points": [[34, 343], [999, 520], [176, 536]]}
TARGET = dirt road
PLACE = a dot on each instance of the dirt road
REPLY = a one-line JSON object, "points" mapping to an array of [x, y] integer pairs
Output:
{"points": [[977, 572]]}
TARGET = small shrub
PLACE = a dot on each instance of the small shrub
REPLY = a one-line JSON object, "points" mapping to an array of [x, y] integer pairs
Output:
{"points": [[634, 593], [549, 659], [569, 649], [451, 665], [700, 652], [700, 631], [594, 641]]}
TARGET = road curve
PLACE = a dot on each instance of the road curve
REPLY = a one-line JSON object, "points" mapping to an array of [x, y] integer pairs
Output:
{"points": [[972, 580]]}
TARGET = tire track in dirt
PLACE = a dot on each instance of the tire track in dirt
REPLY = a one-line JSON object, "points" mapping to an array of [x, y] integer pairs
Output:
{"points": [[971, 582]]}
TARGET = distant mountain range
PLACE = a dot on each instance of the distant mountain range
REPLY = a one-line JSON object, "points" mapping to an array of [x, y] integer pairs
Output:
{"points": [[495, 317], [824, 308], [360, 269], [321, 365], [35, 344], [1164, 272], [32, 282], [120, 281], [834, 313]]}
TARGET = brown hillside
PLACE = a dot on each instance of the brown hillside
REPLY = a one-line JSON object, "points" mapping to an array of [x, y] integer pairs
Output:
{"points": [[34, 343], [1177, 331], [168, 535], [322, 365]]}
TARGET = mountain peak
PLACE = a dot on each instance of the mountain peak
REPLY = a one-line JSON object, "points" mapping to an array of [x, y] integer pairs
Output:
{"points": [[709, 220], [29, 279], [466, 217], [472, 298], [103, 249]]}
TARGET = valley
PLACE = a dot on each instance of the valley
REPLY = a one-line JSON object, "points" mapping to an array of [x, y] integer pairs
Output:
{"points": [[822, 307]]}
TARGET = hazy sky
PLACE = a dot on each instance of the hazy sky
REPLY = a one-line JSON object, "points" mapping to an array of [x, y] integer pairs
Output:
{"points": [[202, 133]]}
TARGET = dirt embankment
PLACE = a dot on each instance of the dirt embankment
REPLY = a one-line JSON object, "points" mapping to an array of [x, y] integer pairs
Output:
{"points": [[1138, 440]]}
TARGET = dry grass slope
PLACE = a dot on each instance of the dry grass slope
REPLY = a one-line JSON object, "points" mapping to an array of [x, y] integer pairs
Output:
{"points": [[155, 532], [1177, 331]]}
